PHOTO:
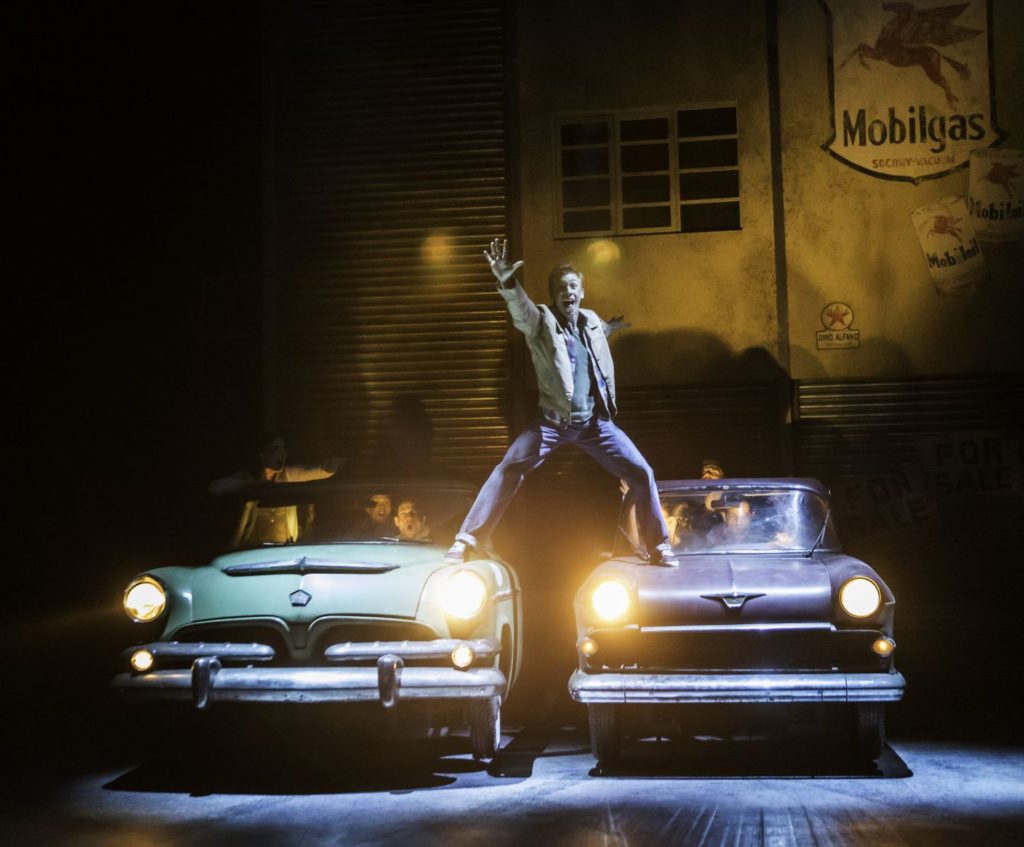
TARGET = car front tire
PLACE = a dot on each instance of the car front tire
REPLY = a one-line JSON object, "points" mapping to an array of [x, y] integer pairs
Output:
{"points": [[870, 730], [605, 737], [485, 728]]}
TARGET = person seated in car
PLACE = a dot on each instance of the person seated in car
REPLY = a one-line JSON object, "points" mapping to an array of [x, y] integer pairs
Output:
{"points": [[678, 520], [272, 466], [377, 522], [411, 522], [734, 522], [737, 519], [703, 520], [273, 524], [710, 469]]}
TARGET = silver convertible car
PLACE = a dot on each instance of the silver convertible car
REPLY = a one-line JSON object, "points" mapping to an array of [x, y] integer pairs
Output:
{"points": [[335, 593], [764, 608]]}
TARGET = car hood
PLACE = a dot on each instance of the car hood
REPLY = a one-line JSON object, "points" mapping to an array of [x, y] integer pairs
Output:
{"points": [[710, 590], [382, 580]]}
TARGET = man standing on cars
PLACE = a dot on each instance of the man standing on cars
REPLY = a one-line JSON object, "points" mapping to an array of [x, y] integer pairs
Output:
{"points": [[576, 388]]}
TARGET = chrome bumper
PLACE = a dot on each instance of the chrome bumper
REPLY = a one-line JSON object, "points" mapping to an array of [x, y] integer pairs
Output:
{"points": [[312, 685], [208, 681], [737, 688]]}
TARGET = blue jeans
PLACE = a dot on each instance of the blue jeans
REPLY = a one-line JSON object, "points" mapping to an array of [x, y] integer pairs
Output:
{"points": [[600, 439]]}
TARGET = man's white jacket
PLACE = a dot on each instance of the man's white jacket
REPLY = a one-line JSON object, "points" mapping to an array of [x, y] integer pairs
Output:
{"points": [[545, 336]]}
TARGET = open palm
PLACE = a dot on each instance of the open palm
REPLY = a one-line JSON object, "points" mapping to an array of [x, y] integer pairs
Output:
{"points": [[501, 267]]}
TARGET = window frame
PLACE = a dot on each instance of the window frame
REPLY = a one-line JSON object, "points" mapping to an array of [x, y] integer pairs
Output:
{"points": [[616, 206]]}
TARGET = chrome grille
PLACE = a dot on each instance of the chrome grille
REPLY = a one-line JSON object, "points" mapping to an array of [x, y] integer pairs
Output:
{"points": [[243, 633], [735, 650]]}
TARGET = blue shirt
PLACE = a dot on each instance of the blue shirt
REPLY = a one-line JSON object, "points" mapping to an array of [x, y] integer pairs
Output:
{"points": [[582, 407]]}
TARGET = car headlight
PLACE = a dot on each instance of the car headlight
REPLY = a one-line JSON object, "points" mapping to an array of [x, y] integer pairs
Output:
{"points": [[860, 597], [462, 656], [145, 600], [610, 600], [142, 660], [464, 594]]}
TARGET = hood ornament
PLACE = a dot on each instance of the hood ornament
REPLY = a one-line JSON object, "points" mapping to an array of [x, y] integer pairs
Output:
{"points": [[300, 597], [734, 600]]}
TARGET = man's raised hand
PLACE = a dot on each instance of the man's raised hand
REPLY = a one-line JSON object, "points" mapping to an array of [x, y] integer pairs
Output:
{"points": [[501, 267]]}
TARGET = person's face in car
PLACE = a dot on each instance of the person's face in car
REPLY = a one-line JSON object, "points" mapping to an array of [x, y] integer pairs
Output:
{"points": [[410, 520], [738, 519], [379, 509], [709, 470]]}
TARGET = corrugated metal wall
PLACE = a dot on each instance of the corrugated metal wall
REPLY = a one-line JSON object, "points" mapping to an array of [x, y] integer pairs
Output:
{"points": [[927, 483], [850, 426], [927, 466], [677, 426], [387, 177]]}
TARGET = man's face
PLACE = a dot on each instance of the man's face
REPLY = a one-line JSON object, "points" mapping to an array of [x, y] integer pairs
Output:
{"points": [[709, 470], [380, 508], [566, 296], [409, 520], [273, 454], [738, 518]]}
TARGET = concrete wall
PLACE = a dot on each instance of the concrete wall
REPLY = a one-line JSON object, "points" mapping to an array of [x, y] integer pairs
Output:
{"points": [[696, 301], [849, 237], [703, 305]]}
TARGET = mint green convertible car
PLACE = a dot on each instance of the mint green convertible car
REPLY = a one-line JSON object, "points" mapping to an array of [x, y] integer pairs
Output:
{"points": [[336, 593]]}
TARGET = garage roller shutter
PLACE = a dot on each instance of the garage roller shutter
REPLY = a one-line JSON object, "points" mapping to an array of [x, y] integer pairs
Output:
{"points": [[386, 178], [926, 475], [676, 426], [852, 426]]}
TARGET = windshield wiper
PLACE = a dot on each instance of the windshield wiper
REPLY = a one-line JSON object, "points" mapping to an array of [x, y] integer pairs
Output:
{"points": [[821, 534], [306, 564]]}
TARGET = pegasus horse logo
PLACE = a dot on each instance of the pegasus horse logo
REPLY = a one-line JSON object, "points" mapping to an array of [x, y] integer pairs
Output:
{"points": [[906, 41], [1003, 176], [947, 225]]}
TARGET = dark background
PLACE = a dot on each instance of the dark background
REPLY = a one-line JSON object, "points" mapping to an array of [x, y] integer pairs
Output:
{"points": [[134, 178], [132, 175]]}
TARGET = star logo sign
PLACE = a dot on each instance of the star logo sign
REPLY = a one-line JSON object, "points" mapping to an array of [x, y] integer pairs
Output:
{"points": [[837, 316]]}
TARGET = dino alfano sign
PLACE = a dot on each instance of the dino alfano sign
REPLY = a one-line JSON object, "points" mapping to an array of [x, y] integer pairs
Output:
{"points": [[910, 85]]}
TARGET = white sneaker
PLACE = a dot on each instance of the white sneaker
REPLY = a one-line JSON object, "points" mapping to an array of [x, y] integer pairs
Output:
{"points": [[456, 554], [664, 556]]}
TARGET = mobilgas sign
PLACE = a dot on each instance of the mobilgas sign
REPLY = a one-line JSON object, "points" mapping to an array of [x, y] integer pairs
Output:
{"points": [[910, 86]]}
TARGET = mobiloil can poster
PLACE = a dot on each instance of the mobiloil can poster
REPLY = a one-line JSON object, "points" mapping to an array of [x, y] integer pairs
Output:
{"points": [[910, 86], [955, 260], [996, 201]]}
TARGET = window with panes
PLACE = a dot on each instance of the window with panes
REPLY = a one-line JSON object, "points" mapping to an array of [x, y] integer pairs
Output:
{"points": [[667, 170]]}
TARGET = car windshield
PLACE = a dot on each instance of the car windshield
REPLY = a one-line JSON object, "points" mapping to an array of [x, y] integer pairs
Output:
{"points": [[747, 521], [318, 513]]}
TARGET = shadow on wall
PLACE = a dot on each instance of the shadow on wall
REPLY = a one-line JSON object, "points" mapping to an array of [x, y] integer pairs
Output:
{"points": [[334, 419], [406, 442], [806, 360], [685, 396], [688, 356]]}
